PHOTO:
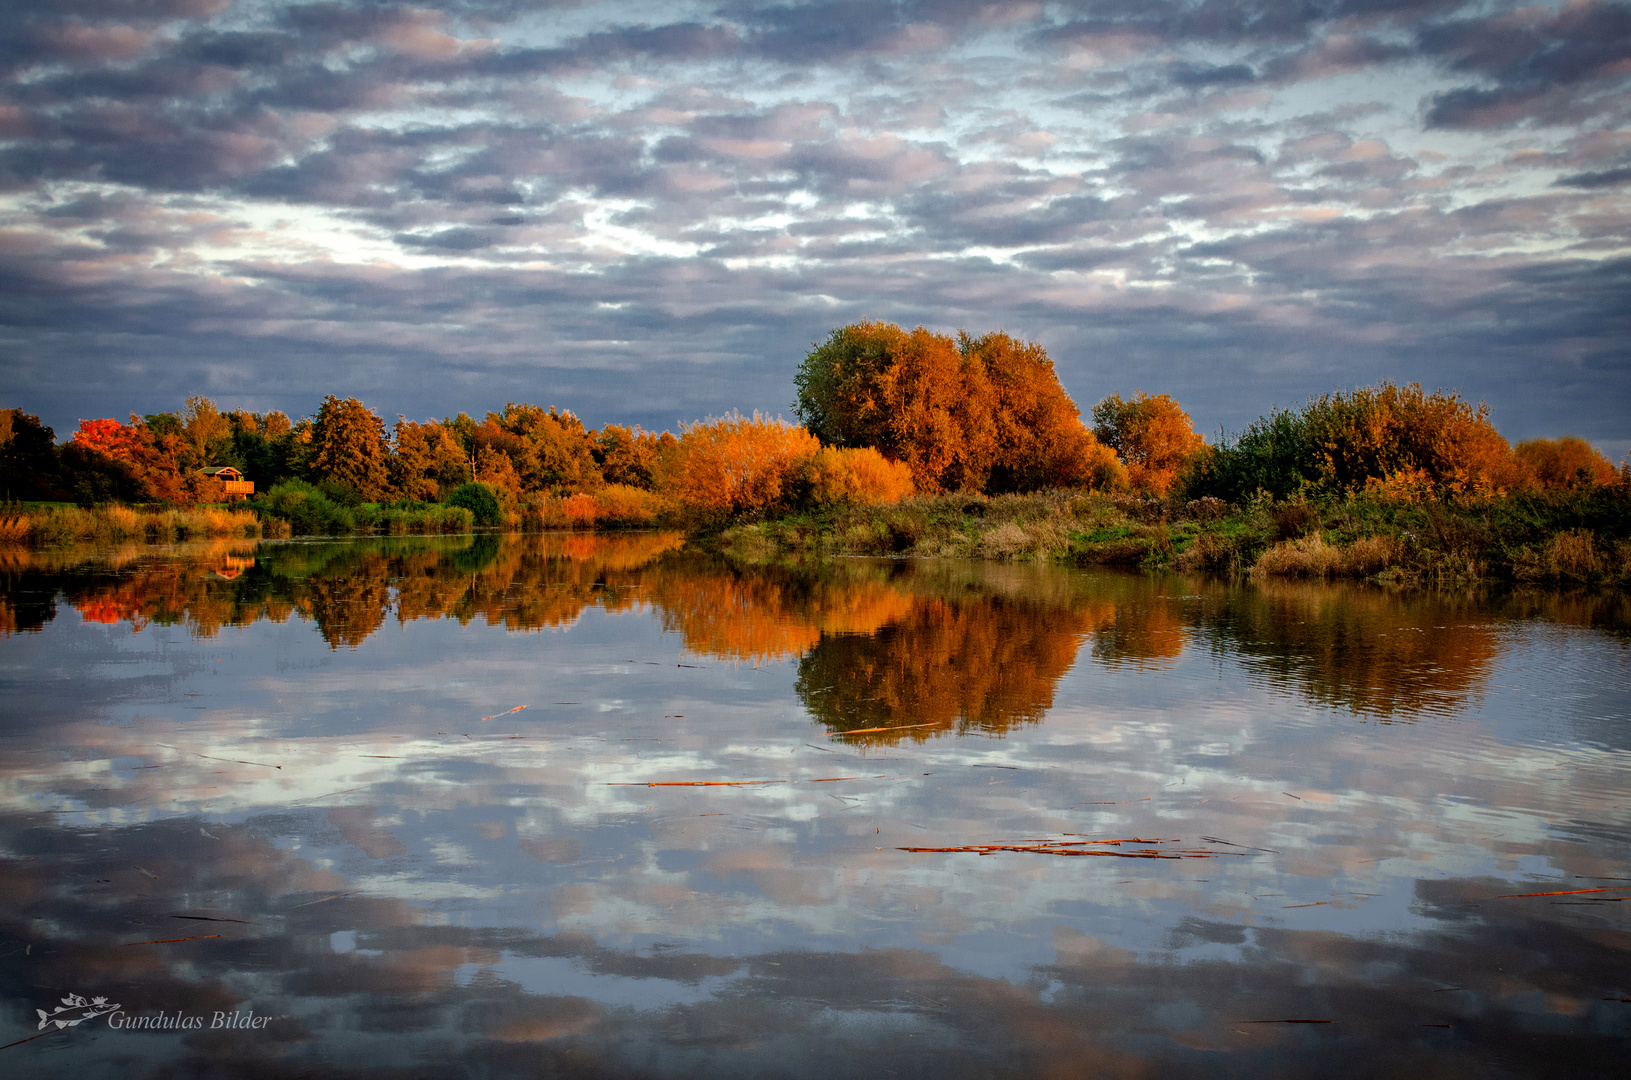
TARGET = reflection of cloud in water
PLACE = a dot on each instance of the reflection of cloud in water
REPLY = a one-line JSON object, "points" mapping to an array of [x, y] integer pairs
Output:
{"points": [[422, 885], [1522, 982]]}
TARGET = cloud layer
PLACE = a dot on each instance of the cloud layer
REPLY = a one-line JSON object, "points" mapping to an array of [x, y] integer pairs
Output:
{"points": [[647, 213]]}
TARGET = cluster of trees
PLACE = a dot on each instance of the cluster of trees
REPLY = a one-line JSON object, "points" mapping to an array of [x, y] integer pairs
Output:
{"points": [[497, 468], [152, 458], [970, 414], [885, 412], [1392, 441]]}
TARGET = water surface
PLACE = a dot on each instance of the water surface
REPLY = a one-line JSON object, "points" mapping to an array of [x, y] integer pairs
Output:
{"points": [[600, 806]]}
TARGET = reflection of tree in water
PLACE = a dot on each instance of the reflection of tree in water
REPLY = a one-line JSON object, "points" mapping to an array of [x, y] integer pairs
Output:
{"points": [[761, 614], [981, 663], [1387, 655], [346, 589], [975, 644]]}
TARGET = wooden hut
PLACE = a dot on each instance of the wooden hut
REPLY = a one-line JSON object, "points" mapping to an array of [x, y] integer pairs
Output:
{"points": [[233, 484]]}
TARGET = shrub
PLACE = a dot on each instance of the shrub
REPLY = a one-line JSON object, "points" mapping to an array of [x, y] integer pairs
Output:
{"points": [[626, 506], [580, 511], [307, 510], [1293, 519], [737, 465], [859, 477], [1395, 441], [15, 528], [1565, 463], [482, 502]]}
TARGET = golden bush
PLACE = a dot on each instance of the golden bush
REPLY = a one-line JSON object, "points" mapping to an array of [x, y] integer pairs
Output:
{"points": [[737, 464], [860, 476]]}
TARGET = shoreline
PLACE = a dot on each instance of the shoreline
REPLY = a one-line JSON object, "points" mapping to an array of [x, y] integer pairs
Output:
{"points": [[1574, 538], [1571, 539]]}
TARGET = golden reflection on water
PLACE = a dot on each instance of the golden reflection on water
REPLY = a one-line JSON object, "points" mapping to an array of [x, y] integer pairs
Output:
{"points": [[922, 646]]}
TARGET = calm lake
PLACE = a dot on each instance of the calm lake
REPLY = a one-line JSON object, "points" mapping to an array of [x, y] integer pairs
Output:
{"points": [[591, 805]]}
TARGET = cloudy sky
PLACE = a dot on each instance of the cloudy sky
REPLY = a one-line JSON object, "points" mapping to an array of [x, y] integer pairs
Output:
{"points": [[648, 211]]}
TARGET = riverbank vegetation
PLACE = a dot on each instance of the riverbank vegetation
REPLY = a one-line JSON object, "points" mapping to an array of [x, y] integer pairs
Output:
{"points": [[908, 442]]}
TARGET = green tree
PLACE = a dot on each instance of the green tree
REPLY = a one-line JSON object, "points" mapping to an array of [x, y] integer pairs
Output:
{"points": [[480, 500], [28, 456], [840, 385]]}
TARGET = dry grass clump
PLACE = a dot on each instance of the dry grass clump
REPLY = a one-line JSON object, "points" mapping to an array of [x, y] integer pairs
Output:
{"points": [[1308, 556], [14, 528], [1037, 538], [1311, 556], [1569, 556], [1369, 555], [57, 525], [1210, 552]]}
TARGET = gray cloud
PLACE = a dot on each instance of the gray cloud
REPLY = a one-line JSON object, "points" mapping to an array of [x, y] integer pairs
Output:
{"points": [[645, 221]]}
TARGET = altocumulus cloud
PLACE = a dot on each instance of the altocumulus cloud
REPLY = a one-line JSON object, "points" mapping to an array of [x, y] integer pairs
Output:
{"points": [[647, 212]]}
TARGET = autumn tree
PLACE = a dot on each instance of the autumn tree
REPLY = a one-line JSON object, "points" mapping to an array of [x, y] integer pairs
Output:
{"points": [[737, 464], [905, 394], [206, 434], [1401, 439], [550, 449], [1390, 440], [973, 414], [426, 460], [631, 456], [1040, 439], [1564, 463], [1151, 434], [348, 446], [101, 462]]}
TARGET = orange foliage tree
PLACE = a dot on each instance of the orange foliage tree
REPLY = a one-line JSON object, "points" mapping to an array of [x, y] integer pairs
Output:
{"points": [[973, 414], [631, 456], [426, 459], [1390, 440], [1040, 439], [143, 461], [1152, 435], [1399, 439], [737, 465], [1565, 463], [348, 446], [549, 448]]}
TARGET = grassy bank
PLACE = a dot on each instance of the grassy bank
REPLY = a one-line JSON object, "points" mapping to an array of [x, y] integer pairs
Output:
{"points": [[52, 526], [1570, 537]]}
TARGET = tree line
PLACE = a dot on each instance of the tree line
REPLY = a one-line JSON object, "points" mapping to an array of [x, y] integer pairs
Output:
{"points": [[884, 412]]}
